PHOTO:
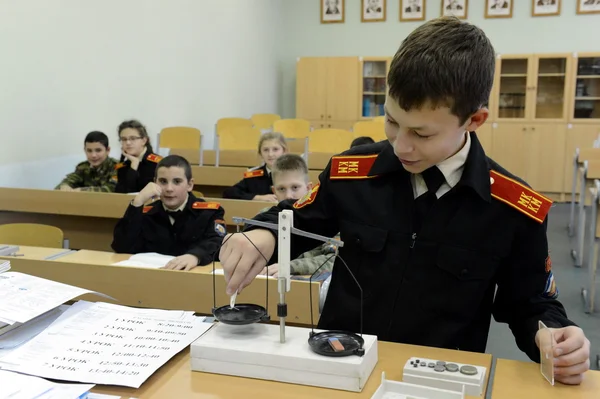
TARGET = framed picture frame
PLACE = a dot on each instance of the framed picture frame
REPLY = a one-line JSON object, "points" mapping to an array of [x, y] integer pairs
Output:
{"points": [[498, 8], [588, 6], [333, 11], [456, 8], [543, 8], [373, 10], [412, 10]]}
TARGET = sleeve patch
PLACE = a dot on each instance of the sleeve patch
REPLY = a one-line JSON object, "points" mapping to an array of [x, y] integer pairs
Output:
{"points": [[154, 158], [550, 289], [254, 173], [220, 227], [519, 196], [352, 167], [147, 209], [119, 165], [205, 205], [308, 198]]}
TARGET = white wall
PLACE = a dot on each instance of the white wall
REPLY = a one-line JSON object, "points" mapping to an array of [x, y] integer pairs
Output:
{"points": [[306, 36], [72, 66]]}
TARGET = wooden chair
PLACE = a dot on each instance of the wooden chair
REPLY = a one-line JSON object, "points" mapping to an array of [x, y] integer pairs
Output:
{"points": [[372, 129], [180, 137], [230, 123], [329, 140], [264, 121], [292, 128], [31, 234], [239, 138]]}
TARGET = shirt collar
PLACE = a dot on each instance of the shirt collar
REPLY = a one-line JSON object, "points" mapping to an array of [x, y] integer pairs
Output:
{"points": [[452, 168]]}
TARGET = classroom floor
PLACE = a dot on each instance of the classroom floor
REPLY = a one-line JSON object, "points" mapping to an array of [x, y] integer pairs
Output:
{"points": [[569, 281]]}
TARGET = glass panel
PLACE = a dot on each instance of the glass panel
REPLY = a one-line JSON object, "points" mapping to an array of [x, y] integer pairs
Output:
{"points": [[374, 88], [513, 88], [587, 89], [588, 66], [550, 98]]}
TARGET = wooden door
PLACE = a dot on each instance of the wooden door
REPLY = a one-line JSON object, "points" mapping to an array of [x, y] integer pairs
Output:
{"points": [[508, 143], [342, 89], [545, 155], [311, 88]]}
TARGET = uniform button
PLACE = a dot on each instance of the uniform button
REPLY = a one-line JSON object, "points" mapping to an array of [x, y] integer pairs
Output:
{"points": [[357, 241], [464, 272], [468, 370]]}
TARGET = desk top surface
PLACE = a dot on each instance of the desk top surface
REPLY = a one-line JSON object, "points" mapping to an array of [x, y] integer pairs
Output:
{"points": [[93, 257], [521, 380], [37, 253], [176, 380]]}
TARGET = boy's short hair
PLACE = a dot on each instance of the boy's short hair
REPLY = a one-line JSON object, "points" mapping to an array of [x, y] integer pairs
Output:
{"points": [[96, 137], [361, 140], [289, 163], [176, 161], [444, 62]]}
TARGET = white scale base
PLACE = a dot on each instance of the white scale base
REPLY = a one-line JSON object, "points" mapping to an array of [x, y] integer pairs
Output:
{"points": [[254, 351]]}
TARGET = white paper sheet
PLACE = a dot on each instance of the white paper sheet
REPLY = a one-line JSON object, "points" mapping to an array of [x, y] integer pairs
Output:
{"points": [[221, 272], [106, 344], [24, 332], [150, 260], [20, 386], [23, 297]]}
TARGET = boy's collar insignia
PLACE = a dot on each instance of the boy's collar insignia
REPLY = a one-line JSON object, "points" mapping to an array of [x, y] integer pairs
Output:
{"points": [[154, 158], [119, 165], [147, 209], [519, 196], [205, 205], [308, 198], [352, 166], [254, 173]]}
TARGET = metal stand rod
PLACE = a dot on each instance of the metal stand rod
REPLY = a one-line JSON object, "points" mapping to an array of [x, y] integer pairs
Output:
{"points": [[571, 225], [282, 289]]}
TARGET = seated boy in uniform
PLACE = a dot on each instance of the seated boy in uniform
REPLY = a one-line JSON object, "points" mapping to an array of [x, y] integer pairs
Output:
{"points": [[290, 181], [98, 172], [176, 223]]}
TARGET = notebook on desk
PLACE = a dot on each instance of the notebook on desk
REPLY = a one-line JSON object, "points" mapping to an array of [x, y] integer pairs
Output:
{"points": [[150, 260]]}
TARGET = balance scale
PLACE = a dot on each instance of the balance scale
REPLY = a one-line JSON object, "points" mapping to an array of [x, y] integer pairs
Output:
{"points": [[280, 353]]}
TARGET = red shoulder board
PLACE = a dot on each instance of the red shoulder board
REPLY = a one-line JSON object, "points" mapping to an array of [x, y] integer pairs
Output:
{"points": [[254, 173], [147, 209], [308, 198], [154, 158], [352, 166], [205, 205], [519, 196], [119, 165]]}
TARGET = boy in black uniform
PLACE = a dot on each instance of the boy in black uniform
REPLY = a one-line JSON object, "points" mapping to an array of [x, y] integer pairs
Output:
{"points": [[430, 225], [178, 224], [138, 163]]}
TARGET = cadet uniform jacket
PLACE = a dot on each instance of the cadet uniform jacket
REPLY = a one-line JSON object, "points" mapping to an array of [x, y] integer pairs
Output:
{"points": [[198, 230], [100, 179], [256, 181], [133, 181], [432, 287]]}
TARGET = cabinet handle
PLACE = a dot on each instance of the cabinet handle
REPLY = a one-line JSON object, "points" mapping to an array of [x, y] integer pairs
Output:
{"points": [[533, 128], [524, 129], [322, 116], [328, 125], [329, 116]]}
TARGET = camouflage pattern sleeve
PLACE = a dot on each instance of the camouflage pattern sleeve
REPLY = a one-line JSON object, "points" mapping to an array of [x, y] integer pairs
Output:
{"points": [[103, 179], [73, 180], [310, 261]]}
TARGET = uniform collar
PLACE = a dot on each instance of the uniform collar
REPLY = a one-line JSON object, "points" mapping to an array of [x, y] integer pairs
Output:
{"points": [[181, 207], [452, 168], [475, 172]]}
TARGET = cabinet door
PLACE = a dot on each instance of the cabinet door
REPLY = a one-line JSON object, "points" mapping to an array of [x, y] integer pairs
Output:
{"points": [[577, 136], [484, 135], [372, 86], [545, 155], [311, 88], [550, 74], [512, 88], [508, 142], [342, 89], [585, 106]]}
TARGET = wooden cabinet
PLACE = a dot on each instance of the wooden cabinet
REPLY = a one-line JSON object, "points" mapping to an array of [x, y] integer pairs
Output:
{"points": [[532, 151], [345, 125], [585, 87], [327, 90]]}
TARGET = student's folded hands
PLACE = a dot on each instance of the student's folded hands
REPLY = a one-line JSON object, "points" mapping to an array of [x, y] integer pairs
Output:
{"points": [[184, 262]]}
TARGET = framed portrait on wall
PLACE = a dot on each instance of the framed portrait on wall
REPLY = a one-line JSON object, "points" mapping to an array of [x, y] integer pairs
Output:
{"points": [[373, 10], [542, 8], [412, 10], [498, 8], [332, 11], [457, 8], [588, 6]]}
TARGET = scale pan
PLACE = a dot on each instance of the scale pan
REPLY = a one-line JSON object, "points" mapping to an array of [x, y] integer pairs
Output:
{"points": [[353, 343], [242, 313]]}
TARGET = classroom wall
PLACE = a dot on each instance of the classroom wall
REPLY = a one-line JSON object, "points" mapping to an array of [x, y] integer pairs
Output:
{"points": [[306, 36], [72, 66]]}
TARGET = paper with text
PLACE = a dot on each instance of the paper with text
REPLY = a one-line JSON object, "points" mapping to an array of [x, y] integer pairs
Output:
{"points": [[106, 344]]}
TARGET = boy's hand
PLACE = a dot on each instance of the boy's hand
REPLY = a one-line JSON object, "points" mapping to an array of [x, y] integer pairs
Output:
{"points": [[266, 198], [152, 190], [183, 262], [273, 270], [135, 161], [571, 354], [65, 187], [241, 262]]}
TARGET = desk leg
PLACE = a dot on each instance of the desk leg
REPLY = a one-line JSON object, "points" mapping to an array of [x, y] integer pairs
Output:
{"points": [[589, 288], [570, 226], [577, 253]]}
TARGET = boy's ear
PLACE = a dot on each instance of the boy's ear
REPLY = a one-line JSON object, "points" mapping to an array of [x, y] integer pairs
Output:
{"points": [[190, 185], [273, 189], [108, 149], [477, 119], [309, 186]]}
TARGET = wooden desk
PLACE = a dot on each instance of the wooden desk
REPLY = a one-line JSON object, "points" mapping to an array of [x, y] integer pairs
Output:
{"points": [[522, 380], [175, 380], [88, 219], [166, 289], [38, 253]]}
